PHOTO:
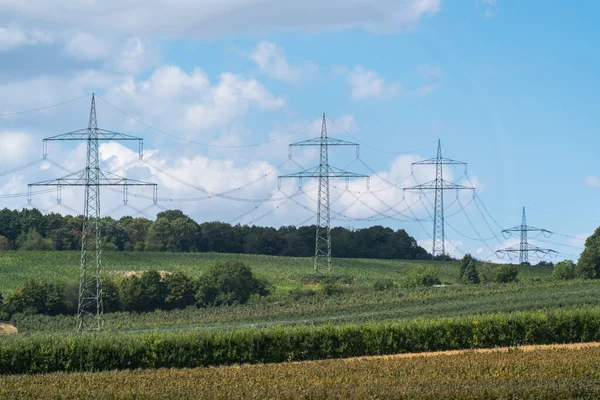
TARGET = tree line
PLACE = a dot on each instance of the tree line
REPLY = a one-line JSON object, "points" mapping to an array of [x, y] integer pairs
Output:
{"points": [[172, 230]]}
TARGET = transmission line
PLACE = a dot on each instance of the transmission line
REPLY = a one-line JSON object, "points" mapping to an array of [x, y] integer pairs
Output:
{"points": [[90, 309], [323, 172], [201, 143], [8, 114], [439, 185], [524, 248]]}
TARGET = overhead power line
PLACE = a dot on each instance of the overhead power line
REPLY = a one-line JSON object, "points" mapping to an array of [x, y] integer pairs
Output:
{"points": [[8, 114], [241, 146]]}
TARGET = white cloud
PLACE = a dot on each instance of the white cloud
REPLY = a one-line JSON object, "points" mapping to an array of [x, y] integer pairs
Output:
{"points": [[210, 18], [16, 146], [12, 37], [592, 181], [368, 84], [189, 101], [85, 46], [429, 71], [135, 56], [272, 61]]}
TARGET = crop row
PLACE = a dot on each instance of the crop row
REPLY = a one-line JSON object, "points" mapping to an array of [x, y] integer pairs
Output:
{"points": [[556, 373], [100, 352]]}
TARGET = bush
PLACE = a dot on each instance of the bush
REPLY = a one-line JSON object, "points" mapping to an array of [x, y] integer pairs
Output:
{"points": [[297, 294], [564, 270], [227, 283], [486, 274], [181, 290], [36, 297], [384, 284], [331, 289], [328, 279], [145, 293], [506, 273], [192, 349], [421, 276]]}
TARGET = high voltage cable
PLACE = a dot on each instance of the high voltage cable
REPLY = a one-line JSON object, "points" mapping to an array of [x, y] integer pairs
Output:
{"points": [[212, 194], [42, 108], [202, 143], [375, 148], [22, 167]]}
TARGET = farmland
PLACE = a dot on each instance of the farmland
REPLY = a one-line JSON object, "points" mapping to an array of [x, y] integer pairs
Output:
{"points": [[542, 373], [284, 272]]}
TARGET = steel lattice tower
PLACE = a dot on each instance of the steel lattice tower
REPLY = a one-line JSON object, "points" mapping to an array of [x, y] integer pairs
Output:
{"points": [[524, 248], [90, 311], [323, 172], [439, 186]]}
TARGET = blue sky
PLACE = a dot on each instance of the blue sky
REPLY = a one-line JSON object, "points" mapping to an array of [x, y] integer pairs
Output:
{"points": [[509, 87]]}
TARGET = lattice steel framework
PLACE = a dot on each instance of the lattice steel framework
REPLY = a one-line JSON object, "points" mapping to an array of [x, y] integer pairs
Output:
{"points": [[90, 310], [524, 248], [323, 172], [439, 186]]}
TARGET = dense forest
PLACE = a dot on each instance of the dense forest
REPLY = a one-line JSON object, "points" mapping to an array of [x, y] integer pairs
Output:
{"points": [[172, 230]]}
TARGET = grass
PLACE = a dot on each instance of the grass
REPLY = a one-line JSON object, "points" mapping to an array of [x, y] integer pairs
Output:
{"points": [[355, 305], [543, 373], [285, 272]]}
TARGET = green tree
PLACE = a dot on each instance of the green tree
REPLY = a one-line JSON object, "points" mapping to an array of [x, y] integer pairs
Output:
{"points": [[506, 273], [230, 282], [37, 297], [35, 241], [4, 243], [588, 266], [564, 270], [468, 270], [141, 294], [181, 290]]}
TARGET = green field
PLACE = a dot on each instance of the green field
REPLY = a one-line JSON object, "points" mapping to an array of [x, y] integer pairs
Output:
{"points": [[284, 272]]}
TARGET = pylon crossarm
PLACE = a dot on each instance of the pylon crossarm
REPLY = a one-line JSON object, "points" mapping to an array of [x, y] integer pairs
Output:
{"points": [[84, 134], [434, 161], [328, 141], [527, 229], [433, 185], [105, 179], [331, 172]]}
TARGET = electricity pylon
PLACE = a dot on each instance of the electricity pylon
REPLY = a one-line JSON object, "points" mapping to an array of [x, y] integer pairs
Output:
{"points": [[90, 310], [323, 172], [439, 185], [524, 248]]}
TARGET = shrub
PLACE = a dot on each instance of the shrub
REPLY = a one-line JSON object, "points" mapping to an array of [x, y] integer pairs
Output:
{"points": [[328, 279], [421, 276], [384, 284], [145, 293], [227, 283], [36, 297], [192, 349], [486, 275], [181, 290], [564, 270], [506, 273], [297, 294], [331, 289]]}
